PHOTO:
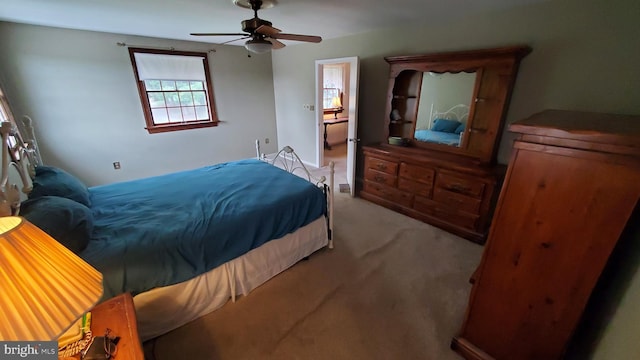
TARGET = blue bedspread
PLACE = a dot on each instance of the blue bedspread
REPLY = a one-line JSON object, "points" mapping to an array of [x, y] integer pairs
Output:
{"points": [[166, 229], [439, 137]]}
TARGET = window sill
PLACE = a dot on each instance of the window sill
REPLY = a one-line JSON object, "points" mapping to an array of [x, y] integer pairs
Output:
{"points": [[178, 127]]}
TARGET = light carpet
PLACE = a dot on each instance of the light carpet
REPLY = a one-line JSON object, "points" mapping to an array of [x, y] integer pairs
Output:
{"points": [[393, 288]]}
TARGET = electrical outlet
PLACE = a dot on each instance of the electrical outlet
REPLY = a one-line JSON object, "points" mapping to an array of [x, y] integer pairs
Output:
{"points": [[266, 141], [116, 165], [309, 107]]}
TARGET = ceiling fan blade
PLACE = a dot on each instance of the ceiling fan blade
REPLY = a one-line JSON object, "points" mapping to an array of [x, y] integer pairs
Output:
{"points": [[218, 34], [267, 30], [296, 37], [276, 44], [230, 41]]}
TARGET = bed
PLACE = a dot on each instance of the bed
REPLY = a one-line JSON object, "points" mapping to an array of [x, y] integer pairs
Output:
{"points": [[446, 127], [182, 243]]}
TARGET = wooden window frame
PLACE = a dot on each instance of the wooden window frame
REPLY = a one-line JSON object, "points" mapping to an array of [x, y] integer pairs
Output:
{"points": [[4, 107], [154, 128]]}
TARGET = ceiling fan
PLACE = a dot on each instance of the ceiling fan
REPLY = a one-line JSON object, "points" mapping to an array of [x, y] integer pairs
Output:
{"points": [[262, 36]]}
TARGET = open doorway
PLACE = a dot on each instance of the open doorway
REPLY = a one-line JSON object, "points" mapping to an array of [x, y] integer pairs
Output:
{"points": [[337, 110]]}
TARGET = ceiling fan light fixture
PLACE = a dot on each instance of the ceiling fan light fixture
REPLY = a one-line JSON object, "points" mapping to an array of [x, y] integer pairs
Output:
{"points": [[247, 4], [258, 46]]}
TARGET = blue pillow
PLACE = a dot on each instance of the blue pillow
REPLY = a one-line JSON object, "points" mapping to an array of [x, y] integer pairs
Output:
{"points": [[52, 181], [445, 125], [459, 129], [65, 220]]}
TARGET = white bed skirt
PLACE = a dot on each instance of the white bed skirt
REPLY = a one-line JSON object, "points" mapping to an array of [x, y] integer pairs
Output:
{"points": [[163, 309]]}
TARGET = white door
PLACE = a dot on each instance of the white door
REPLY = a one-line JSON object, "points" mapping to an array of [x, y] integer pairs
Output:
{"points": [[352, 127]]}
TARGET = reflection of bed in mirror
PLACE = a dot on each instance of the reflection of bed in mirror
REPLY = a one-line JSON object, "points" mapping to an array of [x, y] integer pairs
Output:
{"points": [[445, 127]]}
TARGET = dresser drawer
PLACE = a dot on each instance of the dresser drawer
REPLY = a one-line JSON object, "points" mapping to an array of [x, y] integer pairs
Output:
{"points": [[380, 177], [415, 187], [445, 214], [417, 173], [457, 201], [460, 185], [384, 166], [389, 193]]}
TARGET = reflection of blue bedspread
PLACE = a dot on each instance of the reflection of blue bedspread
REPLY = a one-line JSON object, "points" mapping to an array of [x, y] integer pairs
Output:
{"points": [[166, 229], [439, 137]]}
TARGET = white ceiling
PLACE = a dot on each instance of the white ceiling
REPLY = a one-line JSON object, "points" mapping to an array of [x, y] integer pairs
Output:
{"points": [[175, 19]]}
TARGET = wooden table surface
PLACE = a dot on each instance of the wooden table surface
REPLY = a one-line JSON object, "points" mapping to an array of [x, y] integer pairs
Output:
{"points": [[332, 121], [118, 314]]}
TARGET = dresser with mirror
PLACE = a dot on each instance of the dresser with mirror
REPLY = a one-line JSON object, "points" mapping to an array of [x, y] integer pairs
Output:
{"points": [[444, 117]]}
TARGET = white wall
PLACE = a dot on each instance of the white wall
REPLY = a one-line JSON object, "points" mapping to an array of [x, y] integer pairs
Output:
{"points": [[80, 90], [585, 57]]}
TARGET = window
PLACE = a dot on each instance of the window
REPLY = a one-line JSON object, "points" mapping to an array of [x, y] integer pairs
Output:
{"points": [[14, 139], [5, 112], [333, 83], [327, 97], [175, 89]]}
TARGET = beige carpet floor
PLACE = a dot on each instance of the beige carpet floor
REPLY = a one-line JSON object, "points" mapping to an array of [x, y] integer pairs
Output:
{"points": [[393, 288]]}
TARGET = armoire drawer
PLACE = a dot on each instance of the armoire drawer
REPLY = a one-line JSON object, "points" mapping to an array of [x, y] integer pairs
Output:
{"points": [[388, 193], [385, 166], [459, 184], [380, 177], [442, 212], [458, 201]]}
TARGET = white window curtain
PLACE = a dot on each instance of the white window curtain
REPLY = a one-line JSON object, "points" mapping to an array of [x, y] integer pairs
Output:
{"points": [[333, 77], [169, 67]]}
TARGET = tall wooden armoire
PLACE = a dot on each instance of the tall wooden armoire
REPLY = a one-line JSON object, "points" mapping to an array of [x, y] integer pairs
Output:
{"points": [[572, 183]]}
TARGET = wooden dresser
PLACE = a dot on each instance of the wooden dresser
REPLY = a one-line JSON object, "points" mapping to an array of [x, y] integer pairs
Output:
{"points": [[456, 195], [445, 176], [571, 186]]}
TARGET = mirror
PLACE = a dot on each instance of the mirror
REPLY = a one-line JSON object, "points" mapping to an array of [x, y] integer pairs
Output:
{"points": [[443, 107], [428, 94]]}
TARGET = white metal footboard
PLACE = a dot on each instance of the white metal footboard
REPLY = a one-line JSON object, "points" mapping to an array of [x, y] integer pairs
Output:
{"points": [[288, 160]]}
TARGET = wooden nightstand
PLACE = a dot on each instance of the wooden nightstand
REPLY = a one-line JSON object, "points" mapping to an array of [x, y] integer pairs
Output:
{"points": [[119, 315]]}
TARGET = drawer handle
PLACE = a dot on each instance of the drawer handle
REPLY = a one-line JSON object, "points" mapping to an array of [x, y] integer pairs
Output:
{"points": [[459, 188], [379, 178], [381, 166]]}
